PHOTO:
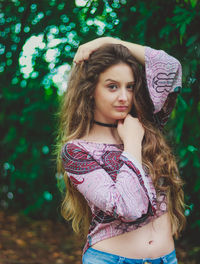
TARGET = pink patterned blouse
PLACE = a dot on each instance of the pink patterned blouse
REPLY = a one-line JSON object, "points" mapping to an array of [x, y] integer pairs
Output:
{"points": [[116, 186]]}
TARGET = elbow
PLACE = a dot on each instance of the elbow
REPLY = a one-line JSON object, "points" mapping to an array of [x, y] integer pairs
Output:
{"points": [[134, 215], [131, 213]]}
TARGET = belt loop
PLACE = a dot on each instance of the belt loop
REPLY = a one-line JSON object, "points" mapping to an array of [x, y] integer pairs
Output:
{"points": [[121, 260], [164, 260]]}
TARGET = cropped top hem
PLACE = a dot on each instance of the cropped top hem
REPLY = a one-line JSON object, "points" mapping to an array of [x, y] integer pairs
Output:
{"points": [[120, 233]]}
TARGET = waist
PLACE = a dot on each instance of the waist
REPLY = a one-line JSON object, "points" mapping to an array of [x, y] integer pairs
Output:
{"points": [[150, 241]]}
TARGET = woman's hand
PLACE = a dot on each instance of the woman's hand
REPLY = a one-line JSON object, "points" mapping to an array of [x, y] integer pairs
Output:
{"points": [[130, 129], [131, 133], [86, 49]]}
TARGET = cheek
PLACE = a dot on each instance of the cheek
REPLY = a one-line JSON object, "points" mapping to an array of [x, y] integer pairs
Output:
{"points": [[99, 95], [100, 103]]}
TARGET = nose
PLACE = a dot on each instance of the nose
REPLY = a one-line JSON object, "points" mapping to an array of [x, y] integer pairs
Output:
{"points": [[123, 95]]}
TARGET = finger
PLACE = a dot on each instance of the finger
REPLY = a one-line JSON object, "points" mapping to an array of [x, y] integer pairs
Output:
{"points": [[75, 60], [85, 55], [77, 54], [120, 122], [79, 57], [129, 116]]}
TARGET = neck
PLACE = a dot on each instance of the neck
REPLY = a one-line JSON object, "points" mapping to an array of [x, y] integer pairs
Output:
{"points": [[99, 133], [104, 124]]}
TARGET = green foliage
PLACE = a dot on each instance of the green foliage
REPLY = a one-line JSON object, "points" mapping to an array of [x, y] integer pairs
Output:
{"points": [[29, 100]]}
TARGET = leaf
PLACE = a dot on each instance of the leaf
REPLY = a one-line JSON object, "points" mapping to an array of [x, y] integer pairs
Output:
{"points": [[191, 40], [182, 29], [196, 160], [184, 162], [193, 3], [191, 148]]}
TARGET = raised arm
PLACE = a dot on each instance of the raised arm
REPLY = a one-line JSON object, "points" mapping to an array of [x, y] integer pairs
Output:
{"points": [[86, 49], [163, 73]]}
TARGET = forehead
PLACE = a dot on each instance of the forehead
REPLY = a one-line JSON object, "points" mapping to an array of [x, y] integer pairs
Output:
{"points": [[117, 71]]}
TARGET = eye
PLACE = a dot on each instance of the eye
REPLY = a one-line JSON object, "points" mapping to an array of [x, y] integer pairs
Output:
{"points": [[130, 87], [112, 86]]}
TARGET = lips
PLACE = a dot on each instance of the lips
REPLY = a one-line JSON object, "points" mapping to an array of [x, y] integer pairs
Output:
{"points": [[121, 108]]}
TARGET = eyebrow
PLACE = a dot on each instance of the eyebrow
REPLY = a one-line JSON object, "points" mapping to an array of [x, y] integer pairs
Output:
{"points": [[117, 81]]}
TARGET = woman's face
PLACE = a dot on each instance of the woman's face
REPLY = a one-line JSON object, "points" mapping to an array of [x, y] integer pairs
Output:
{"points": [[114, 93]]}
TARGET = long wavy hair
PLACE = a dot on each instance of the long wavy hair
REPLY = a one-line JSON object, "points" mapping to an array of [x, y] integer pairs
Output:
{"points": [[76, 119]]}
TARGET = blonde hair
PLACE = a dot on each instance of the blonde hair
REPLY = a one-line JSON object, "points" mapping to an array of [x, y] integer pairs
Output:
{"points": [[76, 119]]}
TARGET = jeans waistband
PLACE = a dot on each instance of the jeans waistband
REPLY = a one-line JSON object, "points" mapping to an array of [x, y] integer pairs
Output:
{"points": [[92, 253]]}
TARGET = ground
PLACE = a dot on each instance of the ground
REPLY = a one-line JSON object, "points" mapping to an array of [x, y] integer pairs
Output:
{"points": [[27, 241]]}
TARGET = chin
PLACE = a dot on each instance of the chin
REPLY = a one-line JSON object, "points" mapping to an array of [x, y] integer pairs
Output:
{"points": [[121, 116]]}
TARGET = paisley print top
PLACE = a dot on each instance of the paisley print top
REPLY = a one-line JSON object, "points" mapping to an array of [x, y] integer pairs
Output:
{"points": [[118, 190], [164, 82]]}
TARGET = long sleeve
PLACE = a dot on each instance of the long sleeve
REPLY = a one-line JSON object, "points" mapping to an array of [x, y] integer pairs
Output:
{"points": [[164, 81], [124, 196]]}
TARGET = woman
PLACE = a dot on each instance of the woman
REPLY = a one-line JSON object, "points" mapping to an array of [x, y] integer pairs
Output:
{"points": [[122, 184]]}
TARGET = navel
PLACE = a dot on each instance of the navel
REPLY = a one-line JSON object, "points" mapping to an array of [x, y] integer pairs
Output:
{"points": [[150, 242]]}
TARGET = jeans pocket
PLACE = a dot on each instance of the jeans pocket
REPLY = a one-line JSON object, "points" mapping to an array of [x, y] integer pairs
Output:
{"points": [[98, 258], [174, 261]]}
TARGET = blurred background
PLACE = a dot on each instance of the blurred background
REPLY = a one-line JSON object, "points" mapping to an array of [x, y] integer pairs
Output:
{"points": [[38, 40]]}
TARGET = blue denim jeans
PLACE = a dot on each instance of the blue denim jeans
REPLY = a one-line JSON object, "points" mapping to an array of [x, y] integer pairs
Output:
{"points": [[93, 256]]}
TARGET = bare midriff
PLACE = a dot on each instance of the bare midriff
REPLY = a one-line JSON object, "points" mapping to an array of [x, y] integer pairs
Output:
{"points": [[150, 241]]}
